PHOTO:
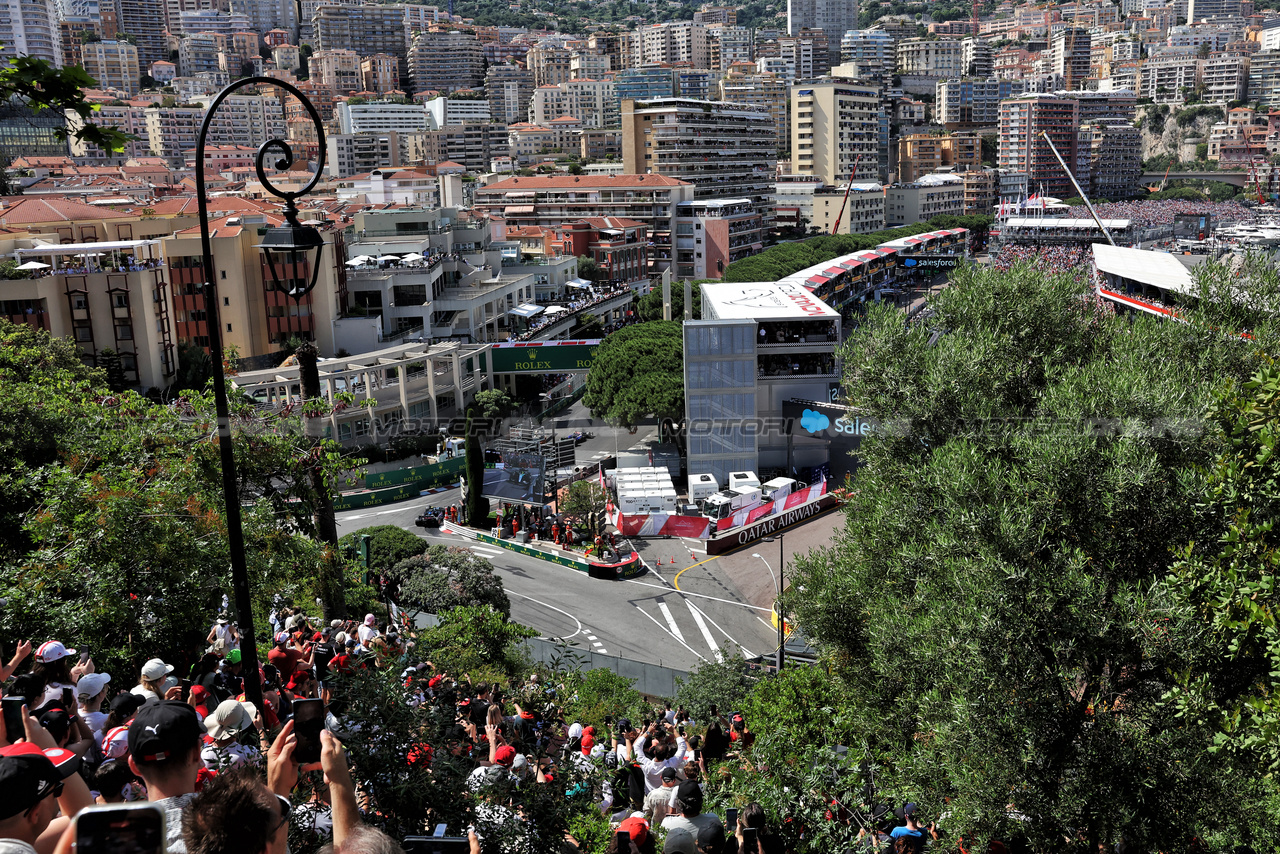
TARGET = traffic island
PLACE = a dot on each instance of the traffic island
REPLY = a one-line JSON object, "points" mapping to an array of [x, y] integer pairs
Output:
{"points": [[631, 567]]}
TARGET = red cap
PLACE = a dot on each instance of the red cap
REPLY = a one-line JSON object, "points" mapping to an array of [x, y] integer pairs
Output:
{"points": [[199, 692], [504, 755], [587, 743], [420, 754], [635, 827], [434, 681], [528, 716]]}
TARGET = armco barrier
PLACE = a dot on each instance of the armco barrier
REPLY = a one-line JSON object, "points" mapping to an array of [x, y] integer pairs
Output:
{"points": [[629, 568], [435, 474], [372, 498]]}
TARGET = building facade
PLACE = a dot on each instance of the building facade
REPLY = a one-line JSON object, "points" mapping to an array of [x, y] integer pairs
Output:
{"points": [[835, 125]]}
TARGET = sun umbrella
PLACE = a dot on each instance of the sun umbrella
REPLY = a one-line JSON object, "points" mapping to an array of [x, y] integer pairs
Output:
{"points": [[555, 309], [382, 258], [414, 256], [32, 265], [357, 262]]}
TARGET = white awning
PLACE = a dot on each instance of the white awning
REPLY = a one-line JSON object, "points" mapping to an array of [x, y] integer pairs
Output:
{"points": [[80, 248], [578, 283], [1155, 269], [526, 310]]}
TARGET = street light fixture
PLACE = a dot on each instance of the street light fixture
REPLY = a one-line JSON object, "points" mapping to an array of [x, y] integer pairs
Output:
{"points": [[777, 610], [294, 243]]}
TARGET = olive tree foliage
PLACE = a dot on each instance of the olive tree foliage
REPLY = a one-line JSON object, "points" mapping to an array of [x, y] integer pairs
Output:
{"points": [[994, 600]]}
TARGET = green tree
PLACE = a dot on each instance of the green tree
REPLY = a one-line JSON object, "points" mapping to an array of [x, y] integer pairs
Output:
{"points": [[477, 506], [723, 683], [589, 326], [493, 403], [649, 306], [585, 502], [638, 372], [113, 369], [446, 577], [589, 268], [388, 546], [992, 599]]}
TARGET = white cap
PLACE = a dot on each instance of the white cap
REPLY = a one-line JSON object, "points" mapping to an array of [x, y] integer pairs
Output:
{"points": [[91, 684], [53, 650], [231, 717], [155, 668], [575, 730]]}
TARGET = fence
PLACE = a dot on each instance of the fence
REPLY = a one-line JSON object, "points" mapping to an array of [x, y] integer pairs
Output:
{"points": [[425, 477], [652, 679]]}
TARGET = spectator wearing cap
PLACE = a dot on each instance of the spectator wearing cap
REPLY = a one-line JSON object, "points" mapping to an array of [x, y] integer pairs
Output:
{"points": [[53, 668], [911, 832], [740, 735], [37, 780], [642, 840], [658, 801], [686, 813], [285, 658], [164, 750], [115, 730], [227, 725], [150, 686], [680, 841], [199, 700], [368, 630], [91, 691]]}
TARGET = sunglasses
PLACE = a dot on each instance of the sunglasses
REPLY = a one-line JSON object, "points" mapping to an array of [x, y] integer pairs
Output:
{"points": [[286, 810], [55, 792]]}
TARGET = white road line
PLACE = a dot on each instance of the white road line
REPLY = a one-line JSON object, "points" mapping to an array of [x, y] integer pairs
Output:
{"points": [[767, 624], [553, 608], [663, 628], [671, 621], [699, 595], [746, 653], [706, 633], [591, 638], [487, 552]]}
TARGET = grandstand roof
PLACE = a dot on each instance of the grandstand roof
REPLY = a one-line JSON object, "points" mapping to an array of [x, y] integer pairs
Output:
{"points": [[1062, 222], [1157, 269]]}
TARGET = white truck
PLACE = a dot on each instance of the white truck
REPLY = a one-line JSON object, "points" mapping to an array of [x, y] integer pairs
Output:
{"points": [[726, 502], [780, 487], [702, 486], [741, 479]]}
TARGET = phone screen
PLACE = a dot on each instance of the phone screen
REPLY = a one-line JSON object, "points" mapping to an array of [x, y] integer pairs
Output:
{"points": [[120, 829], [13, 728], [308, 720], [731, 819], [436, 845], [624, 842], [749, 840]]}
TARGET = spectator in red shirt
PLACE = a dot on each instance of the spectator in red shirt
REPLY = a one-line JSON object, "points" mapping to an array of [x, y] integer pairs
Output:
{"points": [[285, 659]]}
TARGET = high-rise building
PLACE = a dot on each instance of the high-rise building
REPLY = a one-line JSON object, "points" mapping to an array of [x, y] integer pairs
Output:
{"points": [[1201, 10], [870, 55], [446, 61], [726, 150], [835, 123], [676, 41], [833, 17], [114, 64], [1226, 78], [198, 53], [972, 102], [729, 44], [550, 64], [364, 29], [30, 28], [144, 21], [593, 102], [379, 73], [1069, 56], [1022, 148], [1113, 153], [929, 58], [922, 153], [975, 57], [645, 83], [588, 66], [379, 117], [743, 85], [1264, 77], [509, 86]]}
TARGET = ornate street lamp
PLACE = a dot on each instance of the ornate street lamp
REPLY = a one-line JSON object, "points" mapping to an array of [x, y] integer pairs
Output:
{"points": [[289, 245]]}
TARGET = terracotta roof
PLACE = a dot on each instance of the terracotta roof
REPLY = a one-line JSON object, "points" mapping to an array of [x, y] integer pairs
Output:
{"points": [[558, 182], [220, 228], [180, 205], [37, 209], [611, 222], [451, 164]]}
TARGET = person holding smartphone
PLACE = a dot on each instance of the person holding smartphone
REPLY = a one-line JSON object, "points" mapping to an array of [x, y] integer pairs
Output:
{"points": [[37, 780]]}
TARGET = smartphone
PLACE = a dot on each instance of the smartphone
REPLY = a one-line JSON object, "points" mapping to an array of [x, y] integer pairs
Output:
{"points": [[436, 845], [13, 725], [749, 841], [731, 819], [308, 720], [623, 845], [136, 828], [186, 688], [84, 657]]}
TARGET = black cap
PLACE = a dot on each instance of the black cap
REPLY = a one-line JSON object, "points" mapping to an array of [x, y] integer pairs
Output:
{"points": [[126, 704], [624, 724], [668, 773], [690, 794], [164, 730], [28, 775]]}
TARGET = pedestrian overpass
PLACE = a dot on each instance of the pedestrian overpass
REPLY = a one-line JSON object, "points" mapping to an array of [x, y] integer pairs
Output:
{"points": [[1237, 179]]}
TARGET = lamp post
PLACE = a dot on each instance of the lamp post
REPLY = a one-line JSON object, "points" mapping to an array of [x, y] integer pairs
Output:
{"points": [[230, 483], [778, 582]]}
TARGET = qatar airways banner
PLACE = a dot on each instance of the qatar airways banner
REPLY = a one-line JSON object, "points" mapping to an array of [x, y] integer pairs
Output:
{"points": [[699, 527], [782, 505]]}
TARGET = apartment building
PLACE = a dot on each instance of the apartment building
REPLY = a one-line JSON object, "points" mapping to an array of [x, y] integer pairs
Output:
{"points": [[287, 57], [1114, 157], [200, 53], [245, 119], [528, 142], [972, 102], [446, 61], [695, 83], [645, 83], [975, 58], [114, 64], [30, 28], [1021, 148], [350, 154], [726, 150], [730, 44], [1225, 78], [442, 111], [925, 58], [588, 66], [1264, 77], [509, 87], [833, 17], [1069, 56], [713, 233], [473, 144], [172, 131], [367, 30], [673, 42], [380, 73], [124, 118], [145, 21], [211, 21], [923, 199], [835, 123], [593, 102], [389, 185], [339, 69], [743, 85], [871, 55], [1116, 105], [808, 202], [1167, 77], [550, 63], [551, 200], [1200, 10], [921, 154], [379, 116], [981, 190]]}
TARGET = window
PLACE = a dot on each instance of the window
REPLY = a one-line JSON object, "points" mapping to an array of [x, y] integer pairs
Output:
{"points": [[226, 300], [224, 274], [228, 327], [84, 333]]}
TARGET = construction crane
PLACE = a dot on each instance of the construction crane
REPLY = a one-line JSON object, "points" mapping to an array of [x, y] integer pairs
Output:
{"points": [[852, 175], [1163, 181], [1257, 181], [976, 5]]}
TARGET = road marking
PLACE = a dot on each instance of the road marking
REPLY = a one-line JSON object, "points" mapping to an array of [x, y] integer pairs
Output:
{"points": [[591, 637], [700, 595], [769, 626], [553, 608], [671, 621], [746, 653], [676, 580], [706, 633], [487, 552], [663, 628]]}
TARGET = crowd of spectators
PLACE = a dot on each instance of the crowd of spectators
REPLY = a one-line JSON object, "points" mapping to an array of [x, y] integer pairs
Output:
{"points": [[587, 300], [1146, 214], [1050, 259]]}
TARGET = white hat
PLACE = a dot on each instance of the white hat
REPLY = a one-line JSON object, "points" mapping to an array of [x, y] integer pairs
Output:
{"points": [[575, 730], [52, 651], [154, 669], [91, 684], [230, 718], [598, 752], [370, 620], [335, 624]]}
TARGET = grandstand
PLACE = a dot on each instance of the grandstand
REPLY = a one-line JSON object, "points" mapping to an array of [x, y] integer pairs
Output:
{"points": [[871, 274], [1050, 231]]}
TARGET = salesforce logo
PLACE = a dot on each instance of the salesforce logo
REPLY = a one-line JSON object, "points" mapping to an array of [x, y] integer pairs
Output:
{"points": [[909, 262], [814, 422]]}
